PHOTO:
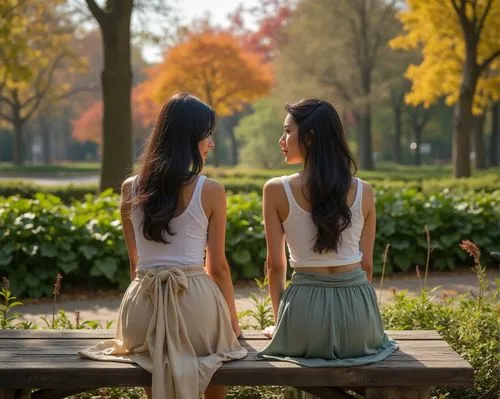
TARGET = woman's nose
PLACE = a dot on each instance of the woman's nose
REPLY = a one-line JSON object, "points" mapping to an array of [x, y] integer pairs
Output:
{"points": [[281, 141]]}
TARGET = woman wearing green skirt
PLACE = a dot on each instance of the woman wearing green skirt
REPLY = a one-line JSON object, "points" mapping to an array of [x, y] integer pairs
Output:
{"points": [[328, 316]]}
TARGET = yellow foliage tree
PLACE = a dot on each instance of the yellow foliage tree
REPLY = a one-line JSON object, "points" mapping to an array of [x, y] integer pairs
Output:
{"points": [[212, 66], [34, 46], [461, 48]]}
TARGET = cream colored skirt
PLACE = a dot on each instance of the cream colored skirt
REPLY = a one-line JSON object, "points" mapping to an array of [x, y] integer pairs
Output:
{"points": [[175, 324]]}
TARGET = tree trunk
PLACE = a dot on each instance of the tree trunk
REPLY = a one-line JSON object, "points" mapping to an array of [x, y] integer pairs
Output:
{"points": [[234, 146], [463, 120], [18, 141], [418, 141], [46, 140], [217, 141], [478, 140], [116, 78], [495, 127], [365, 139], [396, 141]]}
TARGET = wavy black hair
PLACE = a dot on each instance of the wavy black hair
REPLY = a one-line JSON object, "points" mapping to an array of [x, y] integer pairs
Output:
{"points": [[170, 160], [331, 168]]}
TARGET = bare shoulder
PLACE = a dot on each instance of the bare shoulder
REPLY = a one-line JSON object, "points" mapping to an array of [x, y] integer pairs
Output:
{"points": [[213, 197], [368, 199], [213, 187], [273, 186], [367, 189], [127, 185]]}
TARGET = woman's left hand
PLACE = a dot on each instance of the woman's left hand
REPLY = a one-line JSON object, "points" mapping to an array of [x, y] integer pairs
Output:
{"points": [[268, 331]]}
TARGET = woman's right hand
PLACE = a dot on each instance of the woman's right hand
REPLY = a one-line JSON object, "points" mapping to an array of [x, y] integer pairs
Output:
{"points": [[269, 331], [237, 331]]}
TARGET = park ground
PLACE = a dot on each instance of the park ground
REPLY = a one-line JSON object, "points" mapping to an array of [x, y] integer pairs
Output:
{"points": [[102, 306]]}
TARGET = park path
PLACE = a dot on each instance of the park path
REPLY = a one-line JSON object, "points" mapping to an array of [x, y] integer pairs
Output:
{"points": [[106, 309], [55, 180]]}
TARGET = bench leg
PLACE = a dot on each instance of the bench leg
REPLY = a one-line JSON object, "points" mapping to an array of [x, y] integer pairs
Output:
{"points": [[398, 393], [15, 393]]}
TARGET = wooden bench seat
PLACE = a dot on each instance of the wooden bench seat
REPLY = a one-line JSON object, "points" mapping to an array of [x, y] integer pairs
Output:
{"points": [[47, 360]]}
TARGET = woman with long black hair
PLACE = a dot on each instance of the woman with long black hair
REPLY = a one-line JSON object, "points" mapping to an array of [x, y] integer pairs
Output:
{"points": [[177, 318], [328, 316]]}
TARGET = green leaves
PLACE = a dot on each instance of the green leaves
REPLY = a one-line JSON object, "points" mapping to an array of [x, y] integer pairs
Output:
{"points": [[471, 330], [106, 267], [84, 240], [43, 236]]}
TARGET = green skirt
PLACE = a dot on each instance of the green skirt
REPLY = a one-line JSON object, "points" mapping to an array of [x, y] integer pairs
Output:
{"points": [[329, 320]]}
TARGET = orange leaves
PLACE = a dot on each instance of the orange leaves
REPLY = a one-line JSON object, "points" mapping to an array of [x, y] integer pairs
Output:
{"points": [[88, 126], [214, 67]]}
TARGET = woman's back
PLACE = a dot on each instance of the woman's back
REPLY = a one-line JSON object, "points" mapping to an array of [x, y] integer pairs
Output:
{"points": [[300, 230], [186, 247]]}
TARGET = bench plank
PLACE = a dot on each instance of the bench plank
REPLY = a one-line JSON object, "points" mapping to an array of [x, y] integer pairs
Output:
{"points": [[43, 359], [248, 334]]}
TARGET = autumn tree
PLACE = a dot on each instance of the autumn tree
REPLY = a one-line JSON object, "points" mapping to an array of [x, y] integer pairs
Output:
{"points": [[460, 42], [35, 47], [88, 126], [271, 18], [212, 66], [333, 49]]}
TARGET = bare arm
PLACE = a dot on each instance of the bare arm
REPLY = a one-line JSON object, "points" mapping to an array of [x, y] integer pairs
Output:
{"points": [[368, 235], [128, 230], [275, 240], [216, 262]]}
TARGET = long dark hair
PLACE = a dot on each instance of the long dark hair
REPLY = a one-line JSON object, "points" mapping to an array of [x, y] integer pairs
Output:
{"points": [[170, 160], [330, 166]]}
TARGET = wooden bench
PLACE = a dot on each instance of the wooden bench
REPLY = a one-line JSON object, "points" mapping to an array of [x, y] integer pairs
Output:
{"points": [[46, 360]]}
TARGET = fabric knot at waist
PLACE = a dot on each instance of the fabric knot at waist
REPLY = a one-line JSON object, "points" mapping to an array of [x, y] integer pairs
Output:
{"points": [[174, 276], [348, 279]]}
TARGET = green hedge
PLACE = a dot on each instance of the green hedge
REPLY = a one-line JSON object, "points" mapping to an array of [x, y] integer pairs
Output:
{"points": [[42, 236], [239, 182]]}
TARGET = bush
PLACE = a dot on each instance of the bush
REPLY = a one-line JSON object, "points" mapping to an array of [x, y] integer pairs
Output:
{"points": [[402, 215], [469, 323], [42, 236], [66, 193]]}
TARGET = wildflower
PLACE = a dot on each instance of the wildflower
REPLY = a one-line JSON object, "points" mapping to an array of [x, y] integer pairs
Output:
{"points": [[472, 249], [57, 285]]}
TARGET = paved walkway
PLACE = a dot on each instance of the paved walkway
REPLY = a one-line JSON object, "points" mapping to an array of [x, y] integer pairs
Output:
{"points": [[104, 309], [54, 181]]}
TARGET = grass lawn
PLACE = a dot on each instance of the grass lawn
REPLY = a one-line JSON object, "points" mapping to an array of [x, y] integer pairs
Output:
{"points": [[385, 171]]}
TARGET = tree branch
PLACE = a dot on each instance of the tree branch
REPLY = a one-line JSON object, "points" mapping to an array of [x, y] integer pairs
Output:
{"points": [[7, 100], [74, 91], [378, 35], [488, 61], [6, 117], [98, 13], [483, 18], [40, 94]]}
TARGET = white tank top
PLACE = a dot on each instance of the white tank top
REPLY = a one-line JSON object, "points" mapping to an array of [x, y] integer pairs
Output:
{"points": [[300, 234], [186, 247]]}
